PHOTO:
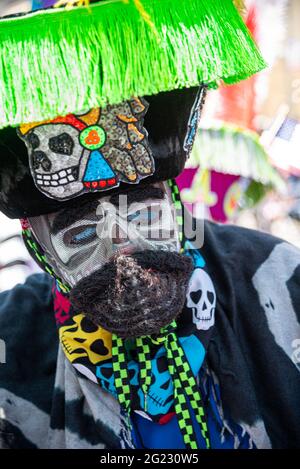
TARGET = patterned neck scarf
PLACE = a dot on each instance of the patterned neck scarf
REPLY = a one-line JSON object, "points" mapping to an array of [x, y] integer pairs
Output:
{"points": [[154, 376]]}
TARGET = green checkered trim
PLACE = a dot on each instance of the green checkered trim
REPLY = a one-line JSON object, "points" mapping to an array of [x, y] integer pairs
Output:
{"points": [[143, 350], [178, 207], [37, 253], [185, 386], [184, 380], [122, 382], [175, 357], [181, 407]]}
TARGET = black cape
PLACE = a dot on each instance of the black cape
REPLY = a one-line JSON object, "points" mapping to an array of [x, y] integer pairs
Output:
{"points": [[254, 351]]}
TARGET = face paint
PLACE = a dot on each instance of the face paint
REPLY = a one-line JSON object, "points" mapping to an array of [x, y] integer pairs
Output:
{"points": [[120, 256], [80, 241]]}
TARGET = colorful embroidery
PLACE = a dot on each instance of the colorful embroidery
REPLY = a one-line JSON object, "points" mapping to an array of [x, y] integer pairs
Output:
{"points": [[95, 151], [61, 307]]}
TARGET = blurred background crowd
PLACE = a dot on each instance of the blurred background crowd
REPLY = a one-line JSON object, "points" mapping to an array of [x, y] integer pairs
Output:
{"points": [[245, 165]]}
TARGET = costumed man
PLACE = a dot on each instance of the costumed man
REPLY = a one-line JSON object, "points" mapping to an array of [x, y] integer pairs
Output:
{"points": [[170, 332]]}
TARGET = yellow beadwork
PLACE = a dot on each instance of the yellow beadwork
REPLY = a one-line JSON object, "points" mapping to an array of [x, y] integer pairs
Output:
{"points": [[92, 117]]}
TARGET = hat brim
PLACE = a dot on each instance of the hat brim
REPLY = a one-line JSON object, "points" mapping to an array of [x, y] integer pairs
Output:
{"points": [[56, 61]]}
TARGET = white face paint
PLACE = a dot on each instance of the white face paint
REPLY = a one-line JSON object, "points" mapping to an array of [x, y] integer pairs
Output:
{"points": [[201, 299], [275, 298], [85, 243]]}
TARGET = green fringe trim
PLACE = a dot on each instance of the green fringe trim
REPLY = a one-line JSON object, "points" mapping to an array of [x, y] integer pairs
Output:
{"points": [[232, 150], [58, 61]]}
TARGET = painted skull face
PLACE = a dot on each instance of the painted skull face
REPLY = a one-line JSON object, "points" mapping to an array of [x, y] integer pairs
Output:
{"points": [[73, 155], [78, 241]]}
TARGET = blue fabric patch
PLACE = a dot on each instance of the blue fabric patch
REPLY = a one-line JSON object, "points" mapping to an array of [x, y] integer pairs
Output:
{"points": [[97, 168]]}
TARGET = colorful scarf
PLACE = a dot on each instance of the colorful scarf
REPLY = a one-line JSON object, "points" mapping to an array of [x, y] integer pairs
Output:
{"points": [[152, 376], [246, 329]]}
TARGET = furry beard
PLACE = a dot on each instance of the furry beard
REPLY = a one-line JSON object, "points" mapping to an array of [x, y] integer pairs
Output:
{"points": [[135, 295]]}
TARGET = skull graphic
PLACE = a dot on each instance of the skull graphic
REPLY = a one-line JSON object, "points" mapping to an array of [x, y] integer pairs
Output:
{"points": [[106, 377], [91, 152], [201, 299], [160, 395], [83, 339], [56, 160]]}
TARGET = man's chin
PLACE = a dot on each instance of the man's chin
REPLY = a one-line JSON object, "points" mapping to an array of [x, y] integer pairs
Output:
{"points": [[135, 295]]}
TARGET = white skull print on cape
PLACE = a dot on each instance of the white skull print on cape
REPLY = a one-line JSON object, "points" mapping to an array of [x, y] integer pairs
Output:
{"points": [[201, 299], [277, 302]]}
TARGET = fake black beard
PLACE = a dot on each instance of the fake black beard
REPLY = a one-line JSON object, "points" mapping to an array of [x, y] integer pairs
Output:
{"points": [[135, 295]]}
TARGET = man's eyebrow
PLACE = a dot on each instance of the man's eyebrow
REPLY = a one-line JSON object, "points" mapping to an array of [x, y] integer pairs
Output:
{"points": [[138, 195], [68, 216]]}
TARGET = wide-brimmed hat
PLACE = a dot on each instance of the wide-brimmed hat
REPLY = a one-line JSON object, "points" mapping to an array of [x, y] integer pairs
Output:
{"points": [[109, 96]]}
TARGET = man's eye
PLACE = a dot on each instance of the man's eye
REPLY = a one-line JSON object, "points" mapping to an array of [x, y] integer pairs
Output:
{"points": [[143, 216], [80, 235], [134, 216]]}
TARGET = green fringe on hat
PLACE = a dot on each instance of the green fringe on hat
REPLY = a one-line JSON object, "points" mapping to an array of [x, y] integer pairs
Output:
{"points": [[58, 61], [231, 150]]}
